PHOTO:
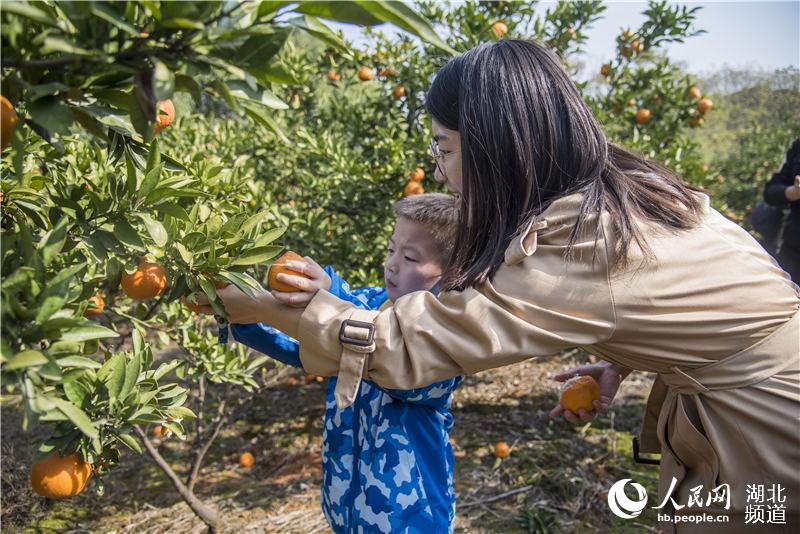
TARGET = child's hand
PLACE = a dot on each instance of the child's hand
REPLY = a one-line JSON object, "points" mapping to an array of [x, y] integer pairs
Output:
{"points": [[307, 287]]}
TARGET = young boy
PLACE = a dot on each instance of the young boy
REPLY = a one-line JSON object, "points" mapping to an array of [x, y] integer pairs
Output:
{"points": [[387, 462]]}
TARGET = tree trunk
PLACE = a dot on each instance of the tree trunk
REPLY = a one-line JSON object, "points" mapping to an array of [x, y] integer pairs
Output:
{"points": [[202, 510]]}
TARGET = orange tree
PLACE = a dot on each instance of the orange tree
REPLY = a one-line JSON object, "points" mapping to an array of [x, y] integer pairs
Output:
{"points": [[355, 142], [98, 221]]}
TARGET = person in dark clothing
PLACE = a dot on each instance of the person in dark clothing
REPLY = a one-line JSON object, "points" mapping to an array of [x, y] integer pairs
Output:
{"points": [[783, 190]]}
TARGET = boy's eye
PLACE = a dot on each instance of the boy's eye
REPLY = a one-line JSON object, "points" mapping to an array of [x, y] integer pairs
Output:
{"points": [[410, 259]]}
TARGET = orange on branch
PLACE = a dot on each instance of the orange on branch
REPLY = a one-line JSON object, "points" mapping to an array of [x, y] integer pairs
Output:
{"points": [[365, 74], [500, 29], [60, 477], [96, 305], [8, 122], [165, 115], [643, 116], [399, 92], [705, 105], [149, 281], [280, 267]]}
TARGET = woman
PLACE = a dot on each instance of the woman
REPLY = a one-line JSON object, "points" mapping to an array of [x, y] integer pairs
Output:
{"points": [[566, 240]]}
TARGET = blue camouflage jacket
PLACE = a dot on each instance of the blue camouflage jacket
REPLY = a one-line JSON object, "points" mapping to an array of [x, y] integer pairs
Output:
{"points": [[387, 462]]}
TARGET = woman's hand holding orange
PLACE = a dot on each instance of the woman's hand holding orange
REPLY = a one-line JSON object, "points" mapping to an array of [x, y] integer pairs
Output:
{"points": [[608, 377]]}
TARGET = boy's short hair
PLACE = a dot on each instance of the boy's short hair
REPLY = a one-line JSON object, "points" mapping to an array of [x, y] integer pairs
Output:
{"points": [[439, 214]]}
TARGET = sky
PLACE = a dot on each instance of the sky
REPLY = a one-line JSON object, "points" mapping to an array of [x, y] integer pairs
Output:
{"points": [[757, 34]]}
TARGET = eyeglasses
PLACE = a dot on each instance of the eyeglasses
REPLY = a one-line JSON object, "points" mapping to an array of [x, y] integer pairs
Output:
{"points": [[437, 156]]}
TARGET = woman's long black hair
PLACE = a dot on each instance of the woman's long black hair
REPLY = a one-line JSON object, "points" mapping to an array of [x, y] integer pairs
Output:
{"points": [[528, 138]]}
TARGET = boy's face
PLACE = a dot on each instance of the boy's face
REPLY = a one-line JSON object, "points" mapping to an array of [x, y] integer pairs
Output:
{"points": [[413, 262]]}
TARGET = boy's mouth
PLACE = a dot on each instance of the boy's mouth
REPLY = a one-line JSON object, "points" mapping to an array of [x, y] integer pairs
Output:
{"points": [[390, 284]]}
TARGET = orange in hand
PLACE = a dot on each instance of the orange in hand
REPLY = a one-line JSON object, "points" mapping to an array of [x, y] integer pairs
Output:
{"points": [[60, 477], [579, 392], [280, 267]]}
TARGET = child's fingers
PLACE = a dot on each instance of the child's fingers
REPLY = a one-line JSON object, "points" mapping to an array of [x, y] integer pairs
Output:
{"points": [[295, 300], [563, 376], [299, 282], [316, 266]]}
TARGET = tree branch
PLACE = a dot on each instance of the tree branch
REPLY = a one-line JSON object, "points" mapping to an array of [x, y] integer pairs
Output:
{"points": [[203, 511]]}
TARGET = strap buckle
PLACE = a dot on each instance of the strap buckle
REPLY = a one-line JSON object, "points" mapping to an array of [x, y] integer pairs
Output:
{"points": [[355, 341], [641, 459]]}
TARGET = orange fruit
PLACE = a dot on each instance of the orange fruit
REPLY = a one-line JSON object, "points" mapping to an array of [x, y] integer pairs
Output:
{"points": [[413, 188], [280, 267], [399, 92], [60, 477], [193, 307], [500, 29], [365, 74], [572, 33], [417, 175], [627, 34], [252, 203], [643, 116], [626, 51], [8, 121], [291, 381], [96, 305], [149, 281], [579, 392], [390, 72], [165, 116], [698, 121], [705, 105], [159, 431], [637, 46], [247, 460], [501, 449], [333, 75], [694, 92], [631, 101], [605, 70]]}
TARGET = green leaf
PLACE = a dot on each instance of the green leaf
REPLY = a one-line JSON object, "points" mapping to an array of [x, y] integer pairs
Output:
{"points": [[155, 229], [127, 235], [130, 442], [315, 27], [113, 374], [25, 359], [78, 361], [261, 117], [163, 80], [25, 9], [188, 84], [269, 236], [77, 416], [52, 243], [404, 16], [182, 412], [132, 370], [165, 368], [182, 24], [89, 331], [340, 11], [175, 210], [268, 7], [257, 255], [50, 306], [241, 90], [106, 12], [75, 391], [51, 113]]}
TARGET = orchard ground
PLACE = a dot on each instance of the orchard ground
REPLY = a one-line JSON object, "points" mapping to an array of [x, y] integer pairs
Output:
{"points": [[568, 468]]}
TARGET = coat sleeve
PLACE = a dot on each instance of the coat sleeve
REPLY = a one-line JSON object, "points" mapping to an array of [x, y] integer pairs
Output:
{"points": [[775, 190], [538, 304]]}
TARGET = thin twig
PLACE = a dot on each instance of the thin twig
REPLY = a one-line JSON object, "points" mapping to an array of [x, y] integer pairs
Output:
{"points": [[496, 497]]}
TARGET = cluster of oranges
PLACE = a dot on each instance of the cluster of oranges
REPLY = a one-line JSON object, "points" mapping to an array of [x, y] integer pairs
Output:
{"points": [[704, 105], [414, 184], [366, 74]]}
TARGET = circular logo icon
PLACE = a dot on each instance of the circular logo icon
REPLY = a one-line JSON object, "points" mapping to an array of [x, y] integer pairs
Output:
{"points": [[621, 504]]}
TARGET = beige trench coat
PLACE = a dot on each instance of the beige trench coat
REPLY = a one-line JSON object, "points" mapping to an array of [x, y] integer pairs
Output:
{"points": [[713, 315]]}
